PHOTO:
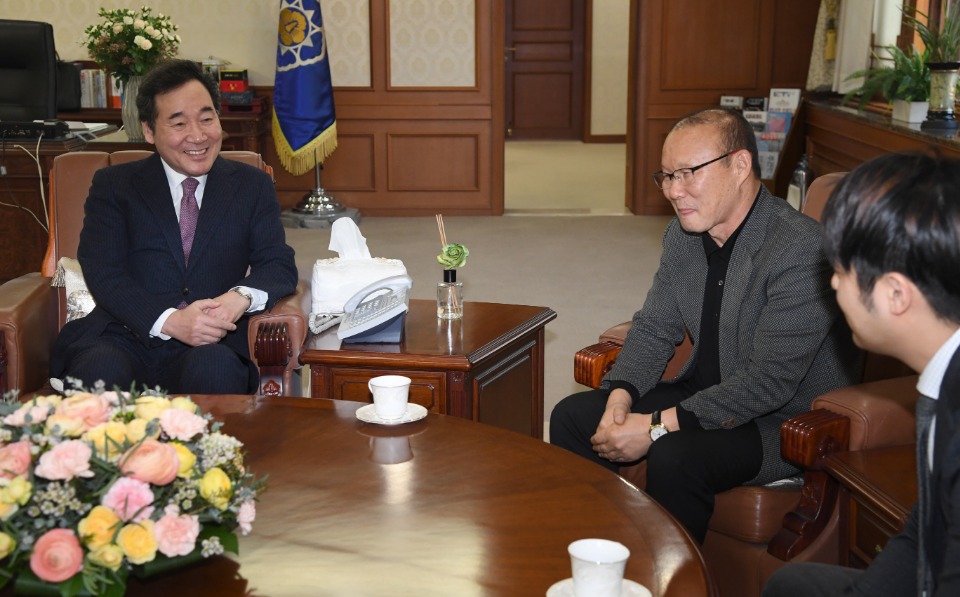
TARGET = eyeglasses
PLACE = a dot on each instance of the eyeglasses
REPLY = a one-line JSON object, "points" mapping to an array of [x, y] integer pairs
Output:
{"points": [[683, 176]]}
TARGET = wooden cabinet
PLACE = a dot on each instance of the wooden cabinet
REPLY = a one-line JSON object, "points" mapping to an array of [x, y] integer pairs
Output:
{"points": [[839, 139], [877, 491], [487, 367]]}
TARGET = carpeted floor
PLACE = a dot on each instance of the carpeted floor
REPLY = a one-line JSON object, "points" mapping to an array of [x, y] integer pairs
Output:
{"points": [[568, 244]]}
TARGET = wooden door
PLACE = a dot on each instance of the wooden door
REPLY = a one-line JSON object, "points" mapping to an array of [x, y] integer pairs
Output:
{"points": [[544, 69]]}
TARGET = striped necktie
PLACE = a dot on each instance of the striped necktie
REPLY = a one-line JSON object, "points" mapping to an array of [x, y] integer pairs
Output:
{"points": [[189, 213], [926, 409]]}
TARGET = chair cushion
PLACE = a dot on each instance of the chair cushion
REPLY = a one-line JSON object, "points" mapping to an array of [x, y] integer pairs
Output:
{"points": [[69, 276], [753, 514]]}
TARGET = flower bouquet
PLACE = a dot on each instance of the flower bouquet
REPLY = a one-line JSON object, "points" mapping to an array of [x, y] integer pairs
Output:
{"points": [[100, 485], [129, 43]]}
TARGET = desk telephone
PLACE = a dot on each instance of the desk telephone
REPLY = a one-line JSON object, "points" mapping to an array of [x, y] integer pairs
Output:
{"points": [[379, 319]]}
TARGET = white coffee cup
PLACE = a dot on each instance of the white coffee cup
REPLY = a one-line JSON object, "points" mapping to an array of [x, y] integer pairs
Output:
{"points": [[390, 393], [597, 566]]}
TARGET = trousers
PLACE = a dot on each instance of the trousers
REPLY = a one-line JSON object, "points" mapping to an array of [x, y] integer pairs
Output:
{"points": [[685, 468]]}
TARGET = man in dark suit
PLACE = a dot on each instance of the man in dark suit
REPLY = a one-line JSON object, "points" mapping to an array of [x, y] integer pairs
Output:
{"points": [[743, 274], [176, 249], [893, 237]]}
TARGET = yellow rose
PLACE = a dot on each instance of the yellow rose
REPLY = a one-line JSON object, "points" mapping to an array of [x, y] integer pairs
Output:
{"points": [[184, 403], [215, 487], [51, 400], [108, 440], [99, 527], [17, 490], [8, 509], [137, 542], [7, 545], [109, 556], [187, 460], [137, 430], [64, 425], [150, 407]]}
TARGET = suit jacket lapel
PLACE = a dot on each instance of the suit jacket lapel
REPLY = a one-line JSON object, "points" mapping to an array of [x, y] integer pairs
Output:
{"points": [[154, 192], [220, 188]]}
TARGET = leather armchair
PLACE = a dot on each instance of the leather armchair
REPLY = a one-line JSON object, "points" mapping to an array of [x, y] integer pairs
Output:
{"points": [[32, 311], [755, 530]]}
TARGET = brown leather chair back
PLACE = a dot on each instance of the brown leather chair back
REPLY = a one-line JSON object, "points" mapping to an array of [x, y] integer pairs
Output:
{"points": [[818, 193], [70, 180]]}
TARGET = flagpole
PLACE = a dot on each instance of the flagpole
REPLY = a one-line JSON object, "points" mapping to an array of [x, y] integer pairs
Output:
{"points": [[318, 202]]}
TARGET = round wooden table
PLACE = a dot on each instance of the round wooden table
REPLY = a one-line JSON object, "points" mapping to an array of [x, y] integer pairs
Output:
{"points": [[441, 506]]}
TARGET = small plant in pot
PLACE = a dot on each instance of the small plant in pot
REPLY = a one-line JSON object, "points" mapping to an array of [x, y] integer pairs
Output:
{"points": [[942, 46], [904, 84]]}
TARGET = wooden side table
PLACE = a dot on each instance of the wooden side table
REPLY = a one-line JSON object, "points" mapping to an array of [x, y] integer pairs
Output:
{"points": [[878, 490], [486, 367]]}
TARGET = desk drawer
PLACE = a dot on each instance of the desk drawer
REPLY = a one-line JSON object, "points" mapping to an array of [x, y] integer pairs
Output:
{"points": [[427, 388], [869, 534]]}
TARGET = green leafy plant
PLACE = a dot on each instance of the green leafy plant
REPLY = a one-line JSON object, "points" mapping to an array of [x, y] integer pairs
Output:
{"points": [[908, 79], [942, 43]]}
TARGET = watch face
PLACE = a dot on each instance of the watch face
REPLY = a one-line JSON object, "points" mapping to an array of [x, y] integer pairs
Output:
{"points": [[657, 432]]}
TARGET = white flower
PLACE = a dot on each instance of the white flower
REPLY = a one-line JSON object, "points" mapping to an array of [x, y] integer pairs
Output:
{"points": [[139, 24], [128, 20], [117, 28]]}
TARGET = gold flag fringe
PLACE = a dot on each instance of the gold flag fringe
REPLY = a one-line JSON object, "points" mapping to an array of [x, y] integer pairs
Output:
{"points": [[303, 160]]}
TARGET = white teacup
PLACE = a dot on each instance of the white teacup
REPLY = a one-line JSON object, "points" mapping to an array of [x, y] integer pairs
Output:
{"points": [[390, 450], [597, 566], [390, 393]]}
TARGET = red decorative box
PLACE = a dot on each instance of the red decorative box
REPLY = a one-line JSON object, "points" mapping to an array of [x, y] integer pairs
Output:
{"points": [[234, 86]]}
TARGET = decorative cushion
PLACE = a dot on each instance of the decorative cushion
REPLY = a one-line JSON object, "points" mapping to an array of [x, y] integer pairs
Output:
{"points": [[69, 276]]}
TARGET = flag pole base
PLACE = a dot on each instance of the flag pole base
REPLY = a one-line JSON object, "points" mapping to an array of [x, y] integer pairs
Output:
{"points": [[293, 219]]}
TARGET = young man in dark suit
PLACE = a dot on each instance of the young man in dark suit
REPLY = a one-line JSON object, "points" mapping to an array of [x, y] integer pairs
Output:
{"points": [[744, 275], [893, 237], [176, 249]]}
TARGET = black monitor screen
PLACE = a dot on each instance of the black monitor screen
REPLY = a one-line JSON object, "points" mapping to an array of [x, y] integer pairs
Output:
{"points": [[28, 71]]}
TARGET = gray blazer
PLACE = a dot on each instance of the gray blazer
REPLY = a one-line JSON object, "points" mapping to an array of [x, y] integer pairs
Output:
{"points": [[782, 339]]}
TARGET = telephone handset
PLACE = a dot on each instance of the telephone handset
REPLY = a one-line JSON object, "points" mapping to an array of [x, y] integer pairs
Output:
{"points": [[377, 319]]}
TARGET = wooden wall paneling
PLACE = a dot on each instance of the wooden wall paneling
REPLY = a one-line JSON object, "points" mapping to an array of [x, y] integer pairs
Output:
{"points": [[685, 54], [358, 172]]}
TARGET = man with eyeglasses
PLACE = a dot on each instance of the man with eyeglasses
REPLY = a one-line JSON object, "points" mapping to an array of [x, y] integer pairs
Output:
{"points": [[743, 275]]}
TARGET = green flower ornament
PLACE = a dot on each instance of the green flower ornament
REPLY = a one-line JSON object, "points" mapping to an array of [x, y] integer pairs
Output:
{"points": [[453, 256]]}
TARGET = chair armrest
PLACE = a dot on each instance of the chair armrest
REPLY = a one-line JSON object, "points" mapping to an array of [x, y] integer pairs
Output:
{"points": [[590, 364], [273, 337], [28, 323], [881, 413]]}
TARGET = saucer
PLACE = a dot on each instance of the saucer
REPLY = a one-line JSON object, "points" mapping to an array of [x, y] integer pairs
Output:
{"points": [[368, 414], [564, 588]]}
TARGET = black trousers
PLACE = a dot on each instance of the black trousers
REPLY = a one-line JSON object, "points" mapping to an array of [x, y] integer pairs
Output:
{"points": [[685, 468], [119, 359]]}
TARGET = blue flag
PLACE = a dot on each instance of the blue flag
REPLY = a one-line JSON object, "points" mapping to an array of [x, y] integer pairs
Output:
{"points": [[304, 119]]}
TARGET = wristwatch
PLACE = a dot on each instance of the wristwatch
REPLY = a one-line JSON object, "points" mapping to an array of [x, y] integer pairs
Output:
{"points": [[245, 294], [657, 430]]}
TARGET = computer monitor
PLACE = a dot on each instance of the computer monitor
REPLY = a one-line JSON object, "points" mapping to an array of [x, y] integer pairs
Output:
{"points": [[28, 71]]}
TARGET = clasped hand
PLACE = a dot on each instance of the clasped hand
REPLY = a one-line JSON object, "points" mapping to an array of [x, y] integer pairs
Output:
{"points": [[206, 321], [622, 436]]}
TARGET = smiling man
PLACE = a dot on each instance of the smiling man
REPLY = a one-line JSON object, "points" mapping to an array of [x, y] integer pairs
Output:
{"points": [[176, 250], [743, 275]]}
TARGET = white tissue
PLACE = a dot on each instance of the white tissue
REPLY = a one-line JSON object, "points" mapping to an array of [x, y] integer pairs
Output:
{"points": [[346, 240], [335, 280]]}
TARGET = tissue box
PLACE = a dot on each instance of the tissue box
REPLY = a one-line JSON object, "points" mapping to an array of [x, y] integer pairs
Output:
{"points": [[336, 280]]}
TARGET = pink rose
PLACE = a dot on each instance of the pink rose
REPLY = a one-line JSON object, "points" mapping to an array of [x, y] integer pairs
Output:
{"points": [[65, 461], [37, 413], [176, 535], [57, 556], [130, 499], [14, 459], [151, 462], [89, 408], [246, 516], [181, 424]]}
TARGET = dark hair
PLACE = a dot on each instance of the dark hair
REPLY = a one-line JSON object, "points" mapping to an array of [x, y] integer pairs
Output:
{"points": [[167, 76], [900, 213], [735, 132]]}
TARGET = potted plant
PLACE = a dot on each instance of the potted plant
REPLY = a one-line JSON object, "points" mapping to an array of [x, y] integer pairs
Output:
{"points": [[906, 84], [942, 46]]}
